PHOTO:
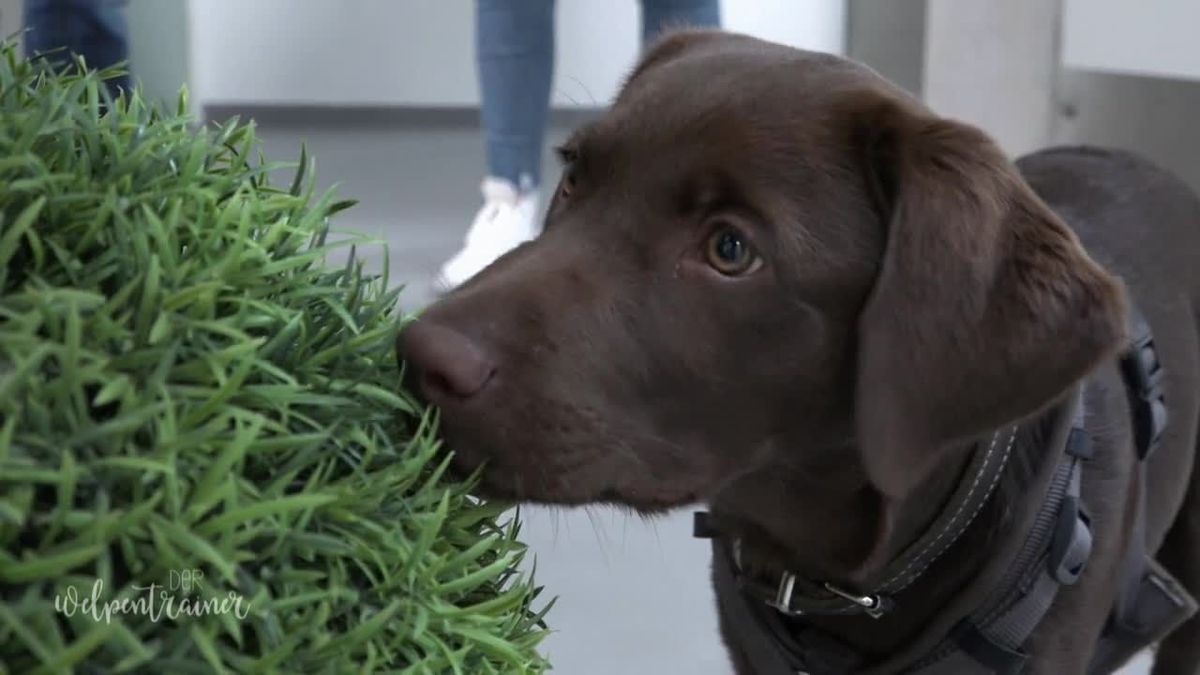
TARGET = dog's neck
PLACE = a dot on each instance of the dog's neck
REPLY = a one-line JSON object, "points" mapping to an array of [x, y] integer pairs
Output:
{"points": [[828, 523]]}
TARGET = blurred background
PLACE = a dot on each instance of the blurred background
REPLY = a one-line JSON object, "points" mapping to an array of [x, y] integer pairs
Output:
{"points": [[386, 94]]}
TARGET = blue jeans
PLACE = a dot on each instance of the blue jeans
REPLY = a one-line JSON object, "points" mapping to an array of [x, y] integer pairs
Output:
{"points": [[515, 48], [93, 29]]}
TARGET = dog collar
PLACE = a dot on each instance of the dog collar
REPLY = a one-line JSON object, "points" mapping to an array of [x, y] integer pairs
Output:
{"points": [[769, 621], [794, 596]]}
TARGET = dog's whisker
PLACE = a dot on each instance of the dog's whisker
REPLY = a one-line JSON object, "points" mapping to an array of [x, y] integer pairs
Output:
{"points": [[596, 531], [625, 529]]}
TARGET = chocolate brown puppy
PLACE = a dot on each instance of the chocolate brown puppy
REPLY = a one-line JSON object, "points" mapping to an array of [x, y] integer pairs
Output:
{"points": [[774, 283]]}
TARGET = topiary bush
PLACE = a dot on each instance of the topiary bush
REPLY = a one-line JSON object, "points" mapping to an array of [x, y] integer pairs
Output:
{"points": [[206, 460]]}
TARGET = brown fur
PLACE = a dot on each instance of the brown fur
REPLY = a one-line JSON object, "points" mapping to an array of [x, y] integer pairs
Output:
{"points": [[915, 293]]}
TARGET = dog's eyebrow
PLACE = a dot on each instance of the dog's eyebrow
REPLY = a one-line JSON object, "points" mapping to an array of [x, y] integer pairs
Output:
{"points": [[708, 197], [710, 192], [573, 147], [566, 153]]}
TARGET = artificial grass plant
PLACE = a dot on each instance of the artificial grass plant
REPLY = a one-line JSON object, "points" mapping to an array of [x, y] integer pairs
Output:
{"points": [[198, 410]]}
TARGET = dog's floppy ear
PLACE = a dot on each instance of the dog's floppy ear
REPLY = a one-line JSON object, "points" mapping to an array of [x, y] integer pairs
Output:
{"points": [[986, 307]]}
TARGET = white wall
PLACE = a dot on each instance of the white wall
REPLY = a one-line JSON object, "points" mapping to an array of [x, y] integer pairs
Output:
{"points": [[359, 52], [993, 64], [10, 18], [422, 53], [1132, 80], [1079, 84], [1006, 67], [158, 52], [890, 37], [1148, 37], [1155, 117]]}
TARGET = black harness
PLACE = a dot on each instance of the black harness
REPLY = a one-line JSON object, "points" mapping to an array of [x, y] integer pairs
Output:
{"points": [[768, 622]]}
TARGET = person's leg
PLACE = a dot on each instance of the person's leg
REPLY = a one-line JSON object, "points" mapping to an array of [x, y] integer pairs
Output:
{"points": [[660, 15], [515, 49], [93, 29]]}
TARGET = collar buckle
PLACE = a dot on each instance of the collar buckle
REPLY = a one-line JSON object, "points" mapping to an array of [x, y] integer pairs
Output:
{"points": [[871, 605], [783, 596]]}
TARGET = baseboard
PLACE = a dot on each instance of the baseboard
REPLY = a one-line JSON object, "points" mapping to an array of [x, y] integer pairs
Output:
{"points": [[373, 116]]}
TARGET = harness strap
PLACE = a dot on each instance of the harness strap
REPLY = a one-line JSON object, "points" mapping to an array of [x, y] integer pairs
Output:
{"points": [[1143, 375], [994, 635], [1128, 621], [767, 623], [1053, 555], [779, 641]]}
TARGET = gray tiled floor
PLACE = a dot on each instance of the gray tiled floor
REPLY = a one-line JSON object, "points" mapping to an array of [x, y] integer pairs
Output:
{"points": [[633, 596]]}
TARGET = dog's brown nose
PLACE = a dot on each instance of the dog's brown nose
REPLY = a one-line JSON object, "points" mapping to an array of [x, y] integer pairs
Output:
{"points": [[443, 364]]}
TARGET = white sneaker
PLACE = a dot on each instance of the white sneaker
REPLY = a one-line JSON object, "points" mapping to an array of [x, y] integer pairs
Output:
{"points": [[507, 219]]}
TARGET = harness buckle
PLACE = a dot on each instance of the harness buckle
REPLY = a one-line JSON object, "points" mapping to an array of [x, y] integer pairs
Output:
{"points": [[1143, 376], [1072, 543]]}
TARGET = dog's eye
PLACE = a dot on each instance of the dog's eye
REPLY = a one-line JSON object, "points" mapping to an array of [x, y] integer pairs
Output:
{"points": [[730, 252], [568, 156], [567, 186]]}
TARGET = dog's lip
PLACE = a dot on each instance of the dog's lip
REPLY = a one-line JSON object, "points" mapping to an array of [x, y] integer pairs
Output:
{"points": [[652, 503], [501, 481], [505, 490]]}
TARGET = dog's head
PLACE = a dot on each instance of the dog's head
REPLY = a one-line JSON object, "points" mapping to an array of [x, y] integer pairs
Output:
{"points": [[760, 255]]}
